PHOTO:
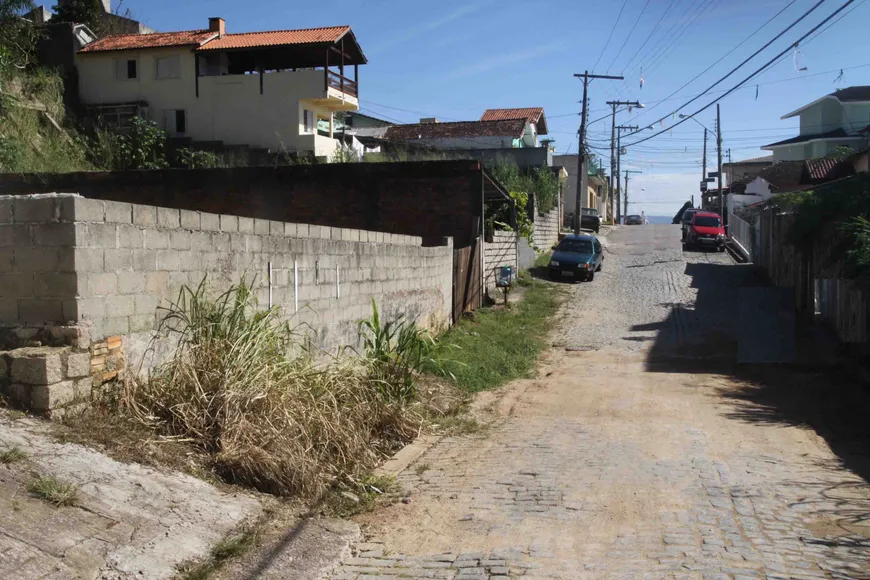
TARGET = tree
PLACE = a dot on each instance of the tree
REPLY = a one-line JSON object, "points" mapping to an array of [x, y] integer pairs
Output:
{"points": [[89, 12], [18, 36]]}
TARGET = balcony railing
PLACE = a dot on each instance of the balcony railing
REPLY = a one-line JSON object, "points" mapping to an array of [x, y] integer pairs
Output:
{"points": [[343, 84]]}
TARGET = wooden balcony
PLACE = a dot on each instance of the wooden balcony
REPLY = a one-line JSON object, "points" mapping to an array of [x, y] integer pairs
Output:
{"points": [[341, 83]]}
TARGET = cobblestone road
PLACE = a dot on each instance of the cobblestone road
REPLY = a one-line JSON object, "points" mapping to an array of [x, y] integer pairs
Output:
{"points": [[642, 451]]}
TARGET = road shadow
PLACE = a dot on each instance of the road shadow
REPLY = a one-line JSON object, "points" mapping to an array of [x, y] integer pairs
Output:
{"points": [[818, 392]]}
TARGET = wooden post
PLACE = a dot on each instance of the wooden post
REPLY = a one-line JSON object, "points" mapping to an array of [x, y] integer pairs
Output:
{"points": [[341, 66]]}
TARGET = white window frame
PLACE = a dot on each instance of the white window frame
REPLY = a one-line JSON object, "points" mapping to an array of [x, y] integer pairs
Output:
{"points": [[306, 128], [168, 59], [124, 64]]}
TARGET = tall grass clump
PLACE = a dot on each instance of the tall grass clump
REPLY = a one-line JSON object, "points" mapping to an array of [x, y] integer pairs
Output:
{"points": [[270, 416]]}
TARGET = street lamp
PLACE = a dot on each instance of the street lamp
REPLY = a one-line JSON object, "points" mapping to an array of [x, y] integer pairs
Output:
{"points": [[682, 116]]}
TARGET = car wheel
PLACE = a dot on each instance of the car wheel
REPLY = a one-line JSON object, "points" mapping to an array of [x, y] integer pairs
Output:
{"points": [[590, 276], [721, 248], [600, 265]]}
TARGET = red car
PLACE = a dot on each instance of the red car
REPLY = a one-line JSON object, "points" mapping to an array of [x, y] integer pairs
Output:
{"points": [[706, 230]]}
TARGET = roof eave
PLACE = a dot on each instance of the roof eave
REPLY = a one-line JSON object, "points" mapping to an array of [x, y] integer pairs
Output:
{"points": [[805, 107]]}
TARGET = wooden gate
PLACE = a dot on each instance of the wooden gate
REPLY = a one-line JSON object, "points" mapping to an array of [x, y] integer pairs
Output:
{"points": [[467, 292]]}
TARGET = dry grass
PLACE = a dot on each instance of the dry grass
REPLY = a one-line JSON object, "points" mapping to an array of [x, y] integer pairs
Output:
{"points": [[54, 491], [12, 455], [269, 416]]}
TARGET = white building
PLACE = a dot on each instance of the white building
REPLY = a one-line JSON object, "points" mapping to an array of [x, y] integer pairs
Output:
{"points": [[263, 89], [833, 121]]}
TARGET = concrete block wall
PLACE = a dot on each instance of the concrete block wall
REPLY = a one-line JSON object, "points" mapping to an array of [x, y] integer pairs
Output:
{"points": [[545, 233], [501, 251], [109, 266]]}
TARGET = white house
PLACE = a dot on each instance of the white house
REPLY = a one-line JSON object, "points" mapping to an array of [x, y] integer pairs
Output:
{"points": [[263, 89], [833, 121]]}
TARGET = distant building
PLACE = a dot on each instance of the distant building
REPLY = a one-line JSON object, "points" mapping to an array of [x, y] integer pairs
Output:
{"points": [[738, 170], [596, 188], [835, 120]]}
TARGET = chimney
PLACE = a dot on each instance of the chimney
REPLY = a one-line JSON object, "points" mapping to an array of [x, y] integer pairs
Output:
{"points": [[428, 120], [218, 25]]}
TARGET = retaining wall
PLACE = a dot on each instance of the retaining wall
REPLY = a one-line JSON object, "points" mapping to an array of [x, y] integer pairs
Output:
{"points": [[501, 251], [105, 268], [546, 231]]}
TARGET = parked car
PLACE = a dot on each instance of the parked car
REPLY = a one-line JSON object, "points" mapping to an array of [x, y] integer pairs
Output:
{"points": [[633, 220], [590, 220], [706, 231], [577, 256], [686, 220]]}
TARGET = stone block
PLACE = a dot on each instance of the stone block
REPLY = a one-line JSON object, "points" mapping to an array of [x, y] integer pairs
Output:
{"points": [[80, 209], [102, 284], [118, 212], [102, 235], [131, 282], [16, 285], [179, 240], [78, 365], [190, 220], [15, 235], [131, 236], [261, 227], [88, 259], [169, 260], [157, 283], [27, 209], [168, 218], [156, 239], [276, 228], [246, 225], [210, 222], [142, 322], [6, 211], [144, 260], [55, 285], [144, 215], [59, 234], [229, 223], [119, 260], [37, 259], [18, 394], [4, 367], [40, 311], [119, 306], [90, 308], [146, 304], [47, 397], [38, 365]]}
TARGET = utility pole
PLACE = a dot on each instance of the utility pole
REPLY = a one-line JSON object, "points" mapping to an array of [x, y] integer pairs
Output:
{"points": [[719, 155], [703, 169], [613, 170], [581, 151], [625, 197], [619, 131], [730, 170]]}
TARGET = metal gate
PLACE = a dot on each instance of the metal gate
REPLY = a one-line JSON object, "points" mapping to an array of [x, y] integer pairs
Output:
{"points": [[467, 292]]}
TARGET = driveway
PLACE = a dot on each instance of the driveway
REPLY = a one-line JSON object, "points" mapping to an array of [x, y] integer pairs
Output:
{"points": [[642, 450]]}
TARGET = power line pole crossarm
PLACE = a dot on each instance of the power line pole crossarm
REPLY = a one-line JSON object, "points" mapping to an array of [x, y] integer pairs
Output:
{"points": [[581, 152]]}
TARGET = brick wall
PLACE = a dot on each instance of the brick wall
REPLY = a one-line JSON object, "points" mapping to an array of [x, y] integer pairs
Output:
{"points": [[108, 266], [546, 230], [501, 251], [433, 200]]}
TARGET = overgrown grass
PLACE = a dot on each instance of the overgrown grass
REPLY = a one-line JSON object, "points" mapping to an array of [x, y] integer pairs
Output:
{"points": [[543, 260], [227, 549], [497, 345], [54, 491], [12, 455], [270, 416], [360, 496]]}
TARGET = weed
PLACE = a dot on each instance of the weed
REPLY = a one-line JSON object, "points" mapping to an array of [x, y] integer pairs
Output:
{"points": [[12, 455], [501, 344], [270, 417], [54, 491], [360, 496], [458, 424], [543, 260], [228, 548], [422, 468]]}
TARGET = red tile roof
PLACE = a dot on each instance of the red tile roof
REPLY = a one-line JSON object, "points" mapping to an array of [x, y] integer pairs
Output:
{"points": [[532, 115], [513, 128], [829, 168], [153, 40], [277, 38], [208, 40]]}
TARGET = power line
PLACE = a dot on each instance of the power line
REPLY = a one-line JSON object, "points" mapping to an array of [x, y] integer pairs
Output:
{"points": [[651, 32], [610, 36], [679, 26], [755, 73], [721, 58], [750, 57], [630, 32], [651, 66]]}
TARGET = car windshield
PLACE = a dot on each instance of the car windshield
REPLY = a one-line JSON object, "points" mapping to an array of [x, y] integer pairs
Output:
{"points": [[708, 222], [589, 211], [633, 217], [578, 246], [688, 216]]}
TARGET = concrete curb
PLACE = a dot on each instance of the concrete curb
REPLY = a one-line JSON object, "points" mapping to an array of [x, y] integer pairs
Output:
{"points": [[407, 455]]}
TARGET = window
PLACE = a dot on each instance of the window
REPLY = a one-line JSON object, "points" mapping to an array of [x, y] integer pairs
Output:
{"points": [[168, 67], [575, 245], [126, 69], [309, 121], [175, 122], [707, 221]]}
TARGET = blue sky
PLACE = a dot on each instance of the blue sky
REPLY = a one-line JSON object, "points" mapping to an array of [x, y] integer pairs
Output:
{"points": [[453, 59]]}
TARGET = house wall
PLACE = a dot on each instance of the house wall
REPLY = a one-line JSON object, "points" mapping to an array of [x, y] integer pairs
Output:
{"points": [[108, 267], [758, 187], [546, 230], [569, 162], [229, 108], [501, 251], [502, 142], [434, 199], [856, 116]]}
